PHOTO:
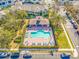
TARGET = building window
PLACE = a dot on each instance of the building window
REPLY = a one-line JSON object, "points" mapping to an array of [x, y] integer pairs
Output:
{"points": [[3, 3], [39, 43], [62, 0], [33, 44], [0, 3], [34, 0], [9, 1]]}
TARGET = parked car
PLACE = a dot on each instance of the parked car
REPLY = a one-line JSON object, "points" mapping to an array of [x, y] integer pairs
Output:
{"points": [[65, 56], [4, 55], [27, 55], [78, 31], [68, 16], [15, 55], [75, 25], [72, 21]]}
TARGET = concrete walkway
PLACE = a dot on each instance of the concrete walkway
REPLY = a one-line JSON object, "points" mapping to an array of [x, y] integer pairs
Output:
{"points": [[67, 36]]}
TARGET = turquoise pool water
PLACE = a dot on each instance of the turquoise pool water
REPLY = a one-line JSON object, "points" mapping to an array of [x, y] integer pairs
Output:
{"points": [[40, 34]]}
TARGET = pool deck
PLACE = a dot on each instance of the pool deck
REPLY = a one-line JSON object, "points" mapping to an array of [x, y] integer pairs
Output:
{"points": [[29, 40]]}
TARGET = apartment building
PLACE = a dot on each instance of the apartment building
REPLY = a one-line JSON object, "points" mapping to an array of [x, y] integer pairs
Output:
{"points": [[33, 1], [62, 2], [5, 3]]}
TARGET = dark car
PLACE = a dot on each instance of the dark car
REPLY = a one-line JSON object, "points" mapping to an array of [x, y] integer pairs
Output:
{"points": [[75, 25], [65, 56], [68, 16], [78, 31], [72, 21], [27, 56], [15, 55]]}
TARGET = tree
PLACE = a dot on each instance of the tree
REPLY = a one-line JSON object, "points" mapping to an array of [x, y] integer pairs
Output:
{"points": [[54, 18], [18, 39], [9, 24], [21, 14], [5, 38]]}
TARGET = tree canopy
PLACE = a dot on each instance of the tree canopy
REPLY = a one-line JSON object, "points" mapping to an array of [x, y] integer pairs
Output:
{"points": [[9, 25]]}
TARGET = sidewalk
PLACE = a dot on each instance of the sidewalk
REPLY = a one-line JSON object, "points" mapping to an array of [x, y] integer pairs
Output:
{"points": [[67, 36]]}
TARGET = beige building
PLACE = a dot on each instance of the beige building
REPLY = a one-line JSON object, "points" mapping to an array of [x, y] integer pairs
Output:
{"points": [[34, 8]]}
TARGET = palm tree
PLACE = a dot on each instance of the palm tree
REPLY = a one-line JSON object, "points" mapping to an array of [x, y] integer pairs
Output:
{"points": [[54, 17]]}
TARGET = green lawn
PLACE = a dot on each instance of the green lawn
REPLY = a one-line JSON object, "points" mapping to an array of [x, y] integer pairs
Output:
{"points": [[61, 40]]}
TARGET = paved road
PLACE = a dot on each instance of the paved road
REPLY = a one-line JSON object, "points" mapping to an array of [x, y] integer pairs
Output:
{"points": [[73, 35], [45, 56], [48, 56]]}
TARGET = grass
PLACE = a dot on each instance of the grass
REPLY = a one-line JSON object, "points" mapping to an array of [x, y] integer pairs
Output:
{"points": [[38, 47], [61, 39]]}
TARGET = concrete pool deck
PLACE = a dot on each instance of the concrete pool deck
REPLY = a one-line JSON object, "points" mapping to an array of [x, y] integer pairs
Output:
{"points": [[43, 41]]}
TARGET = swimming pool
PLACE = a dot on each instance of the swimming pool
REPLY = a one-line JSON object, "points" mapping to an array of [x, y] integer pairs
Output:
{"points": [[40, 34]]}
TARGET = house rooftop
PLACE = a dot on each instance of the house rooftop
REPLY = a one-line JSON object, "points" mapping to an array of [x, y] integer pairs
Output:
{"points": [[42, 21]]}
